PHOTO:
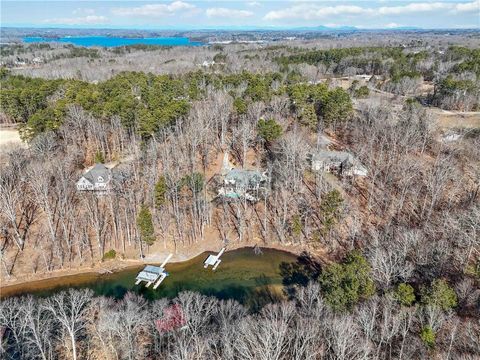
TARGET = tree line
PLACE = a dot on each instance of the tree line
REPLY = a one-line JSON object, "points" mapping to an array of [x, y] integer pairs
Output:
{"points": [[75, 324]]}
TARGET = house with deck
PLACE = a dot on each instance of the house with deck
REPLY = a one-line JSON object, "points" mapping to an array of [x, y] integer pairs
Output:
{"points": [[341, 163], [241, 183], [98, 178]]}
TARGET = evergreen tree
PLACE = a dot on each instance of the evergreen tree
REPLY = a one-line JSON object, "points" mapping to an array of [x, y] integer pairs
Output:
{"points": [[160, 192], [99, 158], [269, 130], [347, 283], [428, 336], [439, 294], [145, 225], [335, 106], [404, 294], [329, 209]]}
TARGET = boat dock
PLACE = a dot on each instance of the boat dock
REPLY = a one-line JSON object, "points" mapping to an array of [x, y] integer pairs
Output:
{"points": [[153, 274], [214, 260]]}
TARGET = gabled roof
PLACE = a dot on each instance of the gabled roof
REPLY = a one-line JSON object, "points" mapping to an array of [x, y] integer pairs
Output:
{"points": [[245, 177], [98, 170], [325, 155]]}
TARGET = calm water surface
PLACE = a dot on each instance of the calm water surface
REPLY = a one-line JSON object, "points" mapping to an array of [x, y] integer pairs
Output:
{"points": [[242, 275], [107, 41]]}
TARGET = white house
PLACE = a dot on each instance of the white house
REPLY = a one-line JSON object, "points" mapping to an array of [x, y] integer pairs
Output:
{"points": [[98, 178]]}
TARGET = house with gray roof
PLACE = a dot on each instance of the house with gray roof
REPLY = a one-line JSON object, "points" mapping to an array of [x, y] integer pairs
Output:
{"points": [[338, 162], [98, 178], [241, 183]]}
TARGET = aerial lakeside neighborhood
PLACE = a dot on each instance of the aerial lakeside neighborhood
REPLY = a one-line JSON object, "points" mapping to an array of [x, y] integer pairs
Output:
{"points": [[309, 193]]}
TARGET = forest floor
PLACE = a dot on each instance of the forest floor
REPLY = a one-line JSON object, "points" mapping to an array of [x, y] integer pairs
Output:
{"points": [[29, 267]]}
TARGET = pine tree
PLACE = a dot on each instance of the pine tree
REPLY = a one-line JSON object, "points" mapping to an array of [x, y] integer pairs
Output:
{"points": [[160, 192], [145, 225]]}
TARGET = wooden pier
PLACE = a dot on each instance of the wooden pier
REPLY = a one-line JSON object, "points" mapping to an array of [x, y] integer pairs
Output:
{"points": [[214, 260], [152, 274]]}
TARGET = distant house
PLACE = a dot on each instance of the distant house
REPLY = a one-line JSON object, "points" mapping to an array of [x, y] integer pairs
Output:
{"points": [[241, 183], [98, 178], [207, 63], [338, 162]]}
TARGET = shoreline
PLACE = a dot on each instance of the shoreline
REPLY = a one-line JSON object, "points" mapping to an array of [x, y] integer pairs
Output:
{"points": [[114, 266]]}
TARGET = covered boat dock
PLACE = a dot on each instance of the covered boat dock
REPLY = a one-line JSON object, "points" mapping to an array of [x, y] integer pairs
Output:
{"points": [[213, 260], [153, 274]]}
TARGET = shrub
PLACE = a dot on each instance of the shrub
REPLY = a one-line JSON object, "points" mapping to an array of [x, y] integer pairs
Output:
{"points": [[99, 158], [240, 106], [296, 225], [428, 336], [404, 294], [362, 92], [110, 254], [439, 294]]}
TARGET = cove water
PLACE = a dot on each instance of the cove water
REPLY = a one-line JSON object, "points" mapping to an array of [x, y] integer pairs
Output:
{"points": [[242, 275]]}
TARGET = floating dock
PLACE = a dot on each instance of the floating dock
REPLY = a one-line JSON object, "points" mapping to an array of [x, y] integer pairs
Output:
{"points": [[214, 260], [152, 274]]}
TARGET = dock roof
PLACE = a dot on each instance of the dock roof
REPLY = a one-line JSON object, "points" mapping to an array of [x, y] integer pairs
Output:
{"points": [[211, 260], [150, 273]]}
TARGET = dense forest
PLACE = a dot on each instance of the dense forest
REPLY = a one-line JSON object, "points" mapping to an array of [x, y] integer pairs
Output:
{"points": [[393, 268]]}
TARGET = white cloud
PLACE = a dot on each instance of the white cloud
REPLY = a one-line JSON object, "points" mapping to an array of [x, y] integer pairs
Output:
{"points": [[254, 3], [228, 13], [83, 11], [82, 20], [313, 11], [391, 25], [154, 10], [413, 8], [467, 7]]}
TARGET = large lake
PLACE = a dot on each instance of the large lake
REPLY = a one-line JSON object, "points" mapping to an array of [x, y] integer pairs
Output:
{"points": [[242, 275], [107, 41]]}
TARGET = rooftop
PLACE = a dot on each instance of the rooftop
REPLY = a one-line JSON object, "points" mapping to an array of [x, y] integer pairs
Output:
{"points": [[150, 273], [98, 170], [340, 156], [245, 178]]}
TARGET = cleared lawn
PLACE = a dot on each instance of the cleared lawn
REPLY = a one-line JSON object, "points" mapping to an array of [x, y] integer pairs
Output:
{"points": [[9, 137]]}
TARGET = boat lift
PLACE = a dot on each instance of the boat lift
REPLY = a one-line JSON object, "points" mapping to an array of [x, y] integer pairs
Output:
{"points": [[153, 274], [214, 260]]}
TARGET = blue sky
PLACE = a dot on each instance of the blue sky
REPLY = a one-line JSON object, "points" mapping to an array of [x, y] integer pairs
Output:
{"points": [[185, 14]]}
